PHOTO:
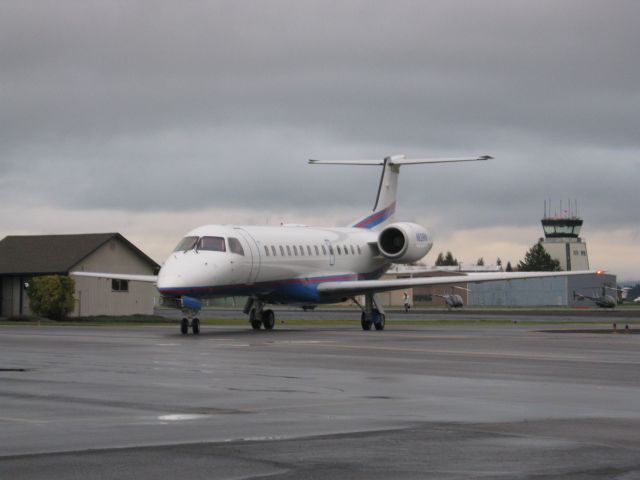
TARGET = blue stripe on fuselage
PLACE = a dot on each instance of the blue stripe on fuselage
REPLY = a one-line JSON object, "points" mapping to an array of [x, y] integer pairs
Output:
{"points": [[288, 290]]}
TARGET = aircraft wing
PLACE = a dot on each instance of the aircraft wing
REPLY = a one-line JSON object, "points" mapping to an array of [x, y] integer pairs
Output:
{"points": [[118, 276], [360, 287]]}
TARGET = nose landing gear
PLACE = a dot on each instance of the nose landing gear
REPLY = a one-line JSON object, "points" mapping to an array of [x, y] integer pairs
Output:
{"points": [[194, 323]]}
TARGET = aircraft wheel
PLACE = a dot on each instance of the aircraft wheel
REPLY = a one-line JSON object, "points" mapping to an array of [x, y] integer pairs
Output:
{"points": [[268, 319], [195, 326], [381, 321], [184, 326], [366, 324], [255, 322]]}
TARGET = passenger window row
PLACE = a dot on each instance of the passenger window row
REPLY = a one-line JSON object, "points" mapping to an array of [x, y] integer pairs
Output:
{"points": [[218, 244], [299, 250]]}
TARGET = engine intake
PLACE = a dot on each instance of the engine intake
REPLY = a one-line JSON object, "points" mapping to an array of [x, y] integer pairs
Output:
{"points": [[404, 242]]}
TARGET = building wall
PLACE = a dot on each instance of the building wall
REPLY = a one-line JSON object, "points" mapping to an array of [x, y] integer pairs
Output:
{"points": [[11, 291], [94, 296], [575, 252], [536, 292]]}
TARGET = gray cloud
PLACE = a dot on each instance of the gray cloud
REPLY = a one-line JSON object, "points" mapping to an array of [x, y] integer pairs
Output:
{"points": [[174, 106]]}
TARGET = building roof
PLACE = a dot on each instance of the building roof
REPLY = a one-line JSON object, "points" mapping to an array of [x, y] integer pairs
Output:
{"points": [[51, 254]]}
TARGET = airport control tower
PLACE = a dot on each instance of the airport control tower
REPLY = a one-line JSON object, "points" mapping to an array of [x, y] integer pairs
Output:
{"points": [[562, 237]]}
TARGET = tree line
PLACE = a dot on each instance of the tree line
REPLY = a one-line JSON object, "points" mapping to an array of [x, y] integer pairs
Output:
{"points": [[536, 259]]}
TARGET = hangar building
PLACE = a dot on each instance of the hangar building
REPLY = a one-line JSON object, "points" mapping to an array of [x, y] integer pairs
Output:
{"points": [[24, 257], [550, 291]]}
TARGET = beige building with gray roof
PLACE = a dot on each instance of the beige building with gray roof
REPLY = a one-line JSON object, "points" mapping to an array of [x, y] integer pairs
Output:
{"points": [[24, 257]]}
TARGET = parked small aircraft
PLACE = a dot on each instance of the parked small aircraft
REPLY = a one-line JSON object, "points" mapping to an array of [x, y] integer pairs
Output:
{"points": [[604, 300], [453, 300], [304, 265]]}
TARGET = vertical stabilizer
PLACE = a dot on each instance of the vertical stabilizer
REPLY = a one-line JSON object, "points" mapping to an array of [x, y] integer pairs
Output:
{"points": [[385, 204], [384, 208]]}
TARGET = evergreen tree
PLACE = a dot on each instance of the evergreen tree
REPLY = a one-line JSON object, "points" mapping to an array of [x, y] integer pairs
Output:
{"points": [[509, 267], [447, 260], [538, 260], [450, 260], [480, 262], [498, 262]]}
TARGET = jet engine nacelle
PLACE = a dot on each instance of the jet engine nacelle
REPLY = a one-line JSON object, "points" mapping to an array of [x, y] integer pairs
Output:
{"points": [[404, 242]]}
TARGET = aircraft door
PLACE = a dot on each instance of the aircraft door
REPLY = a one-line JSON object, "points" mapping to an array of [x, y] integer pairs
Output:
{"points": [[240, 259], [252, 255], [332, 256]]}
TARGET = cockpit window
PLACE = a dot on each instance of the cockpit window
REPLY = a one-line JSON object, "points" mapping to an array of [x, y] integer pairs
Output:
{"points": [[214, 244], [236, 247], [187, 243]]}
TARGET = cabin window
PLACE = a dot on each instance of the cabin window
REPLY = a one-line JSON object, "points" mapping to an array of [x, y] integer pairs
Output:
{"points": [[266, 250], [317, 251], [359, 251], [353, 252], [301, 251], [187, 243], [119, 285], [331, 249], [213, 244], [346, 250], [288, 250], [295, 250], [273, 250], [339, 251], [281, 250], [235, 246], [324, 250], [309, 250]]}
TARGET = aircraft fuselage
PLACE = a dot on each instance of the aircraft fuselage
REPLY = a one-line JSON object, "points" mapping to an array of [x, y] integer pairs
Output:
{"points": [[283, 264]]}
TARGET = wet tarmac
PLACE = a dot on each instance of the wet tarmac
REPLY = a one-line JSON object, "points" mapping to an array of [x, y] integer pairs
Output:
{"points": [[488, 401]]}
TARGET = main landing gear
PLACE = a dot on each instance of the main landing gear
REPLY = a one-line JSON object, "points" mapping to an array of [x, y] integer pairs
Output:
{"points": [[372, 313], [258, 317]]}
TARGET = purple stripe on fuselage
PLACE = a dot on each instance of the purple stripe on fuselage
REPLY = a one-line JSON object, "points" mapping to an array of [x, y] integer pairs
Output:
{"points": [[377, 217]]}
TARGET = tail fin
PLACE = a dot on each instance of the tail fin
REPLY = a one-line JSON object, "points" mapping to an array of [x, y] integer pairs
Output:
{"points": [[385, 204]]}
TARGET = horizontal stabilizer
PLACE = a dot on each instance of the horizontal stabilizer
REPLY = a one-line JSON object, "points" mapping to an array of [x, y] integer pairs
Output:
{"points": [[118, 276], [400, 160]]}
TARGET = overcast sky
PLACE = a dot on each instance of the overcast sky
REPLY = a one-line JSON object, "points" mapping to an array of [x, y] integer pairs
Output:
{"points": [[152, 118]]}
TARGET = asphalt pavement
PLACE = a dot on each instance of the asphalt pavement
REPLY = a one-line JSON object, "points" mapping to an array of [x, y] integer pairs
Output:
{"points": [[460, 401]]}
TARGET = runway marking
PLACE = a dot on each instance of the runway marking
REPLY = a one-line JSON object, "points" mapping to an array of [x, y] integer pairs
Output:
{"points": [[22, 420], [408, 335], [178, 417], [458, 352]]}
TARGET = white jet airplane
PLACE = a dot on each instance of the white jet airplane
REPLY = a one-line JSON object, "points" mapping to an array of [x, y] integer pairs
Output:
{"points": [[304, 265]]}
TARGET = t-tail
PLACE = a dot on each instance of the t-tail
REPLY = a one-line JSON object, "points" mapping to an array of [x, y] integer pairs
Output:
{"points": [[384, 207]]}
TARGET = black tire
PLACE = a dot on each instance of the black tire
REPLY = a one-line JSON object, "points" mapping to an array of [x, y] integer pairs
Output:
{"points": [[195, 326], [366, 324], [184, 326], [381, 322], [255, 322], [268, 319]]}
